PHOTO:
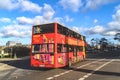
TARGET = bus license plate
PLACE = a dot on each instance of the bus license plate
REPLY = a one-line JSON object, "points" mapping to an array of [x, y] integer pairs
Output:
{"points": [[42, 65]]}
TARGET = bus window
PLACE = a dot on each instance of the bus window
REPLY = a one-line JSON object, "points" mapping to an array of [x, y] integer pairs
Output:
{"points": [[59, 29], [84, 38], [43, 48], [74, 51], [37, 30], [36, 48], [70, 49], [80, 37], [71, 33], [65, 31], [74, 34], [62, 30], [80, 48], [42, 29], [61, 48]]}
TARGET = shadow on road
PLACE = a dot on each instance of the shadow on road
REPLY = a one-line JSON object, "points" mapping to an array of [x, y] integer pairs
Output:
{"points": [[23, 64]]}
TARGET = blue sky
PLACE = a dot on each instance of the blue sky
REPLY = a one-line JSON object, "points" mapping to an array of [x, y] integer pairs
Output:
{"points": [[92, 18]]}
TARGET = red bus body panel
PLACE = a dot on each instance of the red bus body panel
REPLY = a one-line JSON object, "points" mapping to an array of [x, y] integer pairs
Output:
{"points": [[55, 59]]}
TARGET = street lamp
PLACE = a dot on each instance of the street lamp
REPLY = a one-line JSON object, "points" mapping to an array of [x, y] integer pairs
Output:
{"points": [[11, 52]]}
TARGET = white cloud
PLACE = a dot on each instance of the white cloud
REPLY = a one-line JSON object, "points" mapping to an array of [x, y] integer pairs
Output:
{"points": [[48, 12], [109, 33], [58, 19], [73, 5], [114, 25], [24, 20], [98, 29], [29, 6], [24, 5], [80, 29], [32, 21], [39, 20], [61, 20], [5, 20], [47, 16], [110, 29], [68, 19], [116, 16], [93, 4], [9, 4], [95, 21], [76, 29], [117, 7], [19, 31]]}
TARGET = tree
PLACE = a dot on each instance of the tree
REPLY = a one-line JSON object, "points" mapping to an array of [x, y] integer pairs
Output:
{"points": [[117, 37], [103, 43], [95, 42], [19, 51], [92, 42]]}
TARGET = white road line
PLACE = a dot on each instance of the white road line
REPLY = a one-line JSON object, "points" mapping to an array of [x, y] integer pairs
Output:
{"points": [[81, 78], [60, 74], [90, 63], [50, 78], [89, 74], [56, 75]]}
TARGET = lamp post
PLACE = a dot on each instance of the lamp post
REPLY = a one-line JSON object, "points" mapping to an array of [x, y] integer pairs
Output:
{"points": [[11, 52]]}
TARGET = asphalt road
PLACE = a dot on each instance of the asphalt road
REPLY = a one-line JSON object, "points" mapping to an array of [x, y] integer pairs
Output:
{"points": [[98, 66]]}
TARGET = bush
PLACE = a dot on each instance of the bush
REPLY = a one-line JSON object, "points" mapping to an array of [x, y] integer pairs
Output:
{"points": [[20, 51]]}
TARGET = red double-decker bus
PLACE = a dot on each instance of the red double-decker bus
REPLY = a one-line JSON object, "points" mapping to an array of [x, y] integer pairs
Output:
{"points": [[54, 45]]}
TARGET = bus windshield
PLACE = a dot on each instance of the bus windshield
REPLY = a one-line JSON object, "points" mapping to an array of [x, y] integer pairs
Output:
{"points": [[42, 29]]}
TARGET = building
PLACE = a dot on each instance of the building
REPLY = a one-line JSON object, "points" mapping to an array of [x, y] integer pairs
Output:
{"points": [[1, 50], [13, 43]]}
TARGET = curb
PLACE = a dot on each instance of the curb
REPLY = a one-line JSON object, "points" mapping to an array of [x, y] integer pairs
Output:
{"points": [[24, 58]]}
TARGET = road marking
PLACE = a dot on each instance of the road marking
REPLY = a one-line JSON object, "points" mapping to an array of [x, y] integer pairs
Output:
{"points": [[50, 78], [60, 74], [89, 74], [4, 74], [90, 63], [56, 75]]}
